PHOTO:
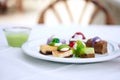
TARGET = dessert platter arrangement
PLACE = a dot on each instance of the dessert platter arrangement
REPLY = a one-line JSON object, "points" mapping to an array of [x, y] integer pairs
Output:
{"points": [[77, 49]]}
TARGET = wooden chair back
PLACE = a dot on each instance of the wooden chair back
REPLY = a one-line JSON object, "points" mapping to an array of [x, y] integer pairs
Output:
{"points": [[75, 11]]}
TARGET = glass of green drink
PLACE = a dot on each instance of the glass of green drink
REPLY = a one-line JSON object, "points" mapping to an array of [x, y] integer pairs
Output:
{"points": [[16, 36]]}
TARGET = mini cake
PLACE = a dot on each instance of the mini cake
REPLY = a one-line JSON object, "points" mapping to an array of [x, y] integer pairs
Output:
{"points": [[87, 53], [99, 45], [80, 50], [52, 44], [63, 51], [47, 49], [75, 37]]}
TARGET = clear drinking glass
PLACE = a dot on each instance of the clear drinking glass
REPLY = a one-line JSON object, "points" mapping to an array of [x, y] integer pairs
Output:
{"points": [[16, 36]]}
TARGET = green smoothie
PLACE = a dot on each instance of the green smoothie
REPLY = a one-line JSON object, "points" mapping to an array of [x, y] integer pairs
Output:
{"points": [[16, 40], [17, 36]]}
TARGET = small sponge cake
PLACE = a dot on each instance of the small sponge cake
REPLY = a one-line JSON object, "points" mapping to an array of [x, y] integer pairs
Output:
{"points": [[47, 50], [62, 54], [87, 52], [63, 51]]}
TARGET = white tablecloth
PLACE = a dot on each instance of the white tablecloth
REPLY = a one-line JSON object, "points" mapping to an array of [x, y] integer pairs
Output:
{"points": [[15, 65]]}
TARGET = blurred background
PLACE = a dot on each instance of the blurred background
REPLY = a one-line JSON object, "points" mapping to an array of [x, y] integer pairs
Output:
{"points": [[28, 11]]}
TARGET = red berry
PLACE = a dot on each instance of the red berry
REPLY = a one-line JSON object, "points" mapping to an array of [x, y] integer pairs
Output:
{"points": [[72, 43]]}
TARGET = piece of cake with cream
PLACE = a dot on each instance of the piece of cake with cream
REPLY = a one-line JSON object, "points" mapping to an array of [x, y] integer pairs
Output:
{"points": [[52, 44], [98, 44], [63, 51]]}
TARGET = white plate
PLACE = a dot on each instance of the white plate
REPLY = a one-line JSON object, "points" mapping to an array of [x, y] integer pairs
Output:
{"points": [[32, 49]]}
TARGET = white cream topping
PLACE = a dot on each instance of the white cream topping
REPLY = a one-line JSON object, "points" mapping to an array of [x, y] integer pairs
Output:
{"points": [[97, 40], [64, 49], [57, 44], [77, 37]]}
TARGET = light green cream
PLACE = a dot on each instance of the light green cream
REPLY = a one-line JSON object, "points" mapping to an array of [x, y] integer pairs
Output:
{"points": [[87, 50]]}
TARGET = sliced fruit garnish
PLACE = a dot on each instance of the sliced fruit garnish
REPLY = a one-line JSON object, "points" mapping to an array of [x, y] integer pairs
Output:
{"points": [[80, 44], [77, 48], [63, 47], [72, 43], [51, 44]]}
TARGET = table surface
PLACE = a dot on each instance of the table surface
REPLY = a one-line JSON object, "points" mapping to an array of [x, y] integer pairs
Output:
{"points": [[15, 65]]}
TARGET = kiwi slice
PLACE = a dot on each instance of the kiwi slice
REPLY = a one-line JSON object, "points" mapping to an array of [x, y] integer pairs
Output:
{"points": [[63, 46]]}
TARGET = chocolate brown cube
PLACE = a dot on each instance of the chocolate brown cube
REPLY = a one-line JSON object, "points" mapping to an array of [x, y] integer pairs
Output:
{"points": [[99, 46]]}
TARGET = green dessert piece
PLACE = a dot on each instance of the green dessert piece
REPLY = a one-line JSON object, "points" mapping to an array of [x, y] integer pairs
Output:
{"points": [[80, 44], [78, 47], [82, 51], [54, 41], [87, 50]]}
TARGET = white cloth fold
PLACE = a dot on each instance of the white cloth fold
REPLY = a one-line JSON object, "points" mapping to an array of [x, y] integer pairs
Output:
{"points": [[16, 65]]}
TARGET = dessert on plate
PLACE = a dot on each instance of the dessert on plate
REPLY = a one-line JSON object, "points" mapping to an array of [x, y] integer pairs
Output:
{"points": [[80, 50], [52, 44], [77, 47], [63, 51], [75, 37], [87, 52], [98, 44], [47, 49]]}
